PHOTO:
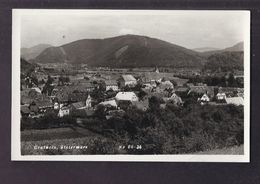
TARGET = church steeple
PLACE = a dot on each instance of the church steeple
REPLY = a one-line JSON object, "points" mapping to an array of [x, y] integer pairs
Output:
{"points": [[88, 102], [157, 70]]}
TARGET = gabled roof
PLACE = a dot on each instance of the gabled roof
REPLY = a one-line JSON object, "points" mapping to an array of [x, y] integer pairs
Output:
{"points": [[128, 78], [109, 103], [43, 103], [230, 90], [76, 97], [166, 85], [78, 105], [111, 83], [128, 96], [174, 98], [202, 90], [181, 89]]}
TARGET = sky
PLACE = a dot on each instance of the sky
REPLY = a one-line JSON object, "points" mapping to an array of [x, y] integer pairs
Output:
{"points": [[190, 29]]}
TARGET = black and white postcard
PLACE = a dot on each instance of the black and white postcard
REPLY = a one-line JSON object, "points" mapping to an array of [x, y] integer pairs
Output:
{"points": [[131, 85]]}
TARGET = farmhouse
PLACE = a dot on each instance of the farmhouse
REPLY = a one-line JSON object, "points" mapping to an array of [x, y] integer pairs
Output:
{"points": [[64, 111], [174, 99], [205, 98], [111, 85], [78, 105], [166, 85], [127, 80], [126, 96], [200, 90], [221, 96], [44, 104]]}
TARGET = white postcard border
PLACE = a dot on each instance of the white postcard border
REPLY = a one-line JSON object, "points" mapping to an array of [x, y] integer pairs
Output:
{"points": [[15, 124]]}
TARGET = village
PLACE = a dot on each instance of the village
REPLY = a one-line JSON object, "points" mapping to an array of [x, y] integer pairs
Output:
{"points": [[80, 94]]}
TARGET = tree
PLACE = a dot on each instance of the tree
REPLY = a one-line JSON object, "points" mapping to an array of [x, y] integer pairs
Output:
{"points": [[100, 112], [154, 103], [49, 80], [231, 80], [141, 94]]}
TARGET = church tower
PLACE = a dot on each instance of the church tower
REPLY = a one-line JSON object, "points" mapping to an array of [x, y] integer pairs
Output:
{"points": [[157, 70], [88, 102]]}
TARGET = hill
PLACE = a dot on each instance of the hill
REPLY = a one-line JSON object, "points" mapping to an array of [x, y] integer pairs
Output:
{"points": [[236, 48], [122, 51], [239, 47], [26, 66], [33, 52], [225, 61]]}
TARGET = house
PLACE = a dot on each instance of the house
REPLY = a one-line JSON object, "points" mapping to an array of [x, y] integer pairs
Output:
{"points": [[174, 99], [178, 81], [166, 85], [44, 104], [111, 85], [109, 103], [78, 105], [64, 111], [221, 96], [151, 77], [56, 106], [181, 91], [235, 100], [61, 93], [231, 91], [204, 99], [126, 96], [200, 90], [127, 80]]}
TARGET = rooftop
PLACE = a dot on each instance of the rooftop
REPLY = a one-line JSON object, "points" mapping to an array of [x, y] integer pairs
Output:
{"points": [[128, 78]]}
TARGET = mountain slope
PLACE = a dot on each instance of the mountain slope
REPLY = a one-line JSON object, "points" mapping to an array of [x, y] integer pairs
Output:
{"points": [[236, 48], [26, 66], [33, 52], [122, 51], [239, 47], [225, 61]]}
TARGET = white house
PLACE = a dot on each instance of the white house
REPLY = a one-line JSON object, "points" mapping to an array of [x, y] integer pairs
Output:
{"points": [[126, 96], [56, 105], [64, 111], [221, 96], [111, 103], [204, 99], [127, 80]]}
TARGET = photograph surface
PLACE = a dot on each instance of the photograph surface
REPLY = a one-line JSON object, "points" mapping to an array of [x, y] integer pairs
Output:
{"points": [[131, 85]]}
